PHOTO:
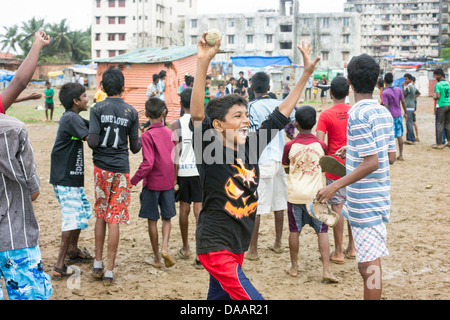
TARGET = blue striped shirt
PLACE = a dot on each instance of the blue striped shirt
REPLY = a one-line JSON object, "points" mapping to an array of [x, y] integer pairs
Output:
{"points": [[370, 131]]}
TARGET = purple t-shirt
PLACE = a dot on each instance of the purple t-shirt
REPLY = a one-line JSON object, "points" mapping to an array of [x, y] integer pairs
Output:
{"points": [[391, 97]]}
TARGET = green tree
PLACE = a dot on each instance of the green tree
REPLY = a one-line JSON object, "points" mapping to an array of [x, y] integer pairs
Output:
{"points": [[80, 42], [10, 38], [29, 28]]}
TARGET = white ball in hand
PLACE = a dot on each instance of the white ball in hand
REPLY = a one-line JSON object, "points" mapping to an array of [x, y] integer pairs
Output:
{"points": [[212, 36]]}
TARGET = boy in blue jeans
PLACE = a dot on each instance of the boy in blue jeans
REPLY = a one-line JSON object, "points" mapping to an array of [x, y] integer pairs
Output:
{"points": [[371, 149]]}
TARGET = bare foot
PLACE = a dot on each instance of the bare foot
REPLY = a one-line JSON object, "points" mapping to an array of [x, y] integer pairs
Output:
{"points": [[290, 270], [251, 256], [167, 260], [329, 277], [153, 263]]}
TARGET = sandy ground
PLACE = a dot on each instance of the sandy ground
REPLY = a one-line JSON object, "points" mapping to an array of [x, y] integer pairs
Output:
{"points": [[417, 267]]}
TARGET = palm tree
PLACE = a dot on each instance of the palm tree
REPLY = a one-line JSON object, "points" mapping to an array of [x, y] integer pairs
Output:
{"points": [[29, 28], [80, 45], [59, 32], [10, 39]]}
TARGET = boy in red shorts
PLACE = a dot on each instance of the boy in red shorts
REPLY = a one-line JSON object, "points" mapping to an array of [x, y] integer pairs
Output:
{"points": [[112, 123], [227, 161]]}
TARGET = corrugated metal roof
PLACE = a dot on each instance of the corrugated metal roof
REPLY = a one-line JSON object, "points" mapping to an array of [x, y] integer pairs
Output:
{"points": [[153, 55]]}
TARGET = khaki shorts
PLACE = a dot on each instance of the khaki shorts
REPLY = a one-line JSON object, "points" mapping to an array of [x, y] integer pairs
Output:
{"points": [[272, 188]]}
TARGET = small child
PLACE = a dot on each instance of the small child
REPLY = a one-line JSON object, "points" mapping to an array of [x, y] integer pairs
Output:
{"points": [[67, 175], [301, 158], [188, 180], [112, 123], [227, 161], [100, 95], [157, 172], [49, 104]]}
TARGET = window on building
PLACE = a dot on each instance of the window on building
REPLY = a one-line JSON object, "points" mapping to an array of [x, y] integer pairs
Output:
{"points": [[345, 55], [231, 23], [111, 36], [111, 3], [286, 28], [345, 21], [346, 38], [194, 23], [325, 22], [98, 53], [97, 20], [268, 22], [325, 55], [269, 38], [97, 37], [249, 22], [99, 3], [286, 45], [111, 20], [249, 38], [122, 3], [230, 39], [122, 52], [122, 36], [111, 53], [122, 20]]}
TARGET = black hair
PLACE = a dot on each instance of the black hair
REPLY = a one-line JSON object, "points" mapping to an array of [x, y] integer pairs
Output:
{"points": [[388, 78], [220, 85], [188, 80], [185, 97], [156, 77], [218, 108], [288, 78], [154, 107], [339, 87], [241, 72], [363, 73], [380, 82], [305, 116], [113, 81], [413, 79], [208, 77], [237, 91], [232, 78], [260, 82], [162, 74], [439, 72], [408, 75], [47, 82], [69, 92]]}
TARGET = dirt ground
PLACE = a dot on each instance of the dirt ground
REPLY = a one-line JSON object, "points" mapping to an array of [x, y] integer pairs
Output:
{"points": [[417, 267]]}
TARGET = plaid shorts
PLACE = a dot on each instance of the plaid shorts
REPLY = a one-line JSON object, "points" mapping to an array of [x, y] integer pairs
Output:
{"points": [[112, 196], [24, 275], [370, 242], [75, 207]]}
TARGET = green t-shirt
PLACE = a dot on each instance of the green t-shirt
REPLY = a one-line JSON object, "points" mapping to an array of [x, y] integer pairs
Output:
{"points": [[443, 87], [49, 92]]}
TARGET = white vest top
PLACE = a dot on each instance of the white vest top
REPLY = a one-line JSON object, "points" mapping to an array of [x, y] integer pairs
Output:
{"points": [[187, 166]]}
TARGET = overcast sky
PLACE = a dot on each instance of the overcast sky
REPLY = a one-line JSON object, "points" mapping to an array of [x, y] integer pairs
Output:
{"points": [[78, 12]]}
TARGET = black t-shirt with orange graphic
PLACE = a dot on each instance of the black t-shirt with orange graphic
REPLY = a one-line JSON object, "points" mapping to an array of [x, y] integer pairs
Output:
{"points": [[230, 180]]}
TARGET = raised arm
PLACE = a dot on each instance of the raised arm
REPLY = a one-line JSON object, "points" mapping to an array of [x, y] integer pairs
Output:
{"points": [[26, 70], [291, 100], [206, 53]]}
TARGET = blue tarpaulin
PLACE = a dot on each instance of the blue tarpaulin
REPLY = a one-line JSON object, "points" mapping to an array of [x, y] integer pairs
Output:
{"points": [[260, 61]]}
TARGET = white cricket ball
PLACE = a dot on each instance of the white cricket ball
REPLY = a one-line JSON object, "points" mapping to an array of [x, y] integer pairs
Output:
{"points": [[177, 187], [212, 36]]}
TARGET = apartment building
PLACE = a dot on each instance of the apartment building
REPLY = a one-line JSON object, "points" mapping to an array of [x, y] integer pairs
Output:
{"points": [[407, 29], [333, 36], [119, 26]]}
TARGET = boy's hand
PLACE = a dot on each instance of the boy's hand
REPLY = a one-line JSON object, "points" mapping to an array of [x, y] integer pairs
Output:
{"points": [[41, 39], [309, 65], [206, 51]]}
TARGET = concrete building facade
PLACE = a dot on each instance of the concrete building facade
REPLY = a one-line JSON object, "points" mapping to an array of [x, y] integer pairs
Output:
{"points": [[120, 26], [407, 29], [333, 36]]}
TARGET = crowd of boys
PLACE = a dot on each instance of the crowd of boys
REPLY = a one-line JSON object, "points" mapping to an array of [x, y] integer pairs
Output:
{"points": [[231, 161]]}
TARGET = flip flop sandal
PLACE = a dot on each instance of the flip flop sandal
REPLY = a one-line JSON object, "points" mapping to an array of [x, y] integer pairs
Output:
{"points": [[183, 256], [60, 273], [78, 256], [331, 165], [323, 213]]}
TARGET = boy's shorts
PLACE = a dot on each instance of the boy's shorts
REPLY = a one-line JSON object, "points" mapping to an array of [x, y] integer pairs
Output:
{"points": [[190, 189], [75, 207], [340, 196], [49, 106], [272, 188], [227, 280], [370, 242], [150, 200], [24, 275], [299, 217], [112, 196], [398, 127]]}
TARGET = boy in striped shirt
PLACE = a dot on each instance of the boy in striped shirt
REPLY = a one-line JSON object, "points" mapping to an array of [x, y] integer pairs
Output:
{"points": [[370, 151]]}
